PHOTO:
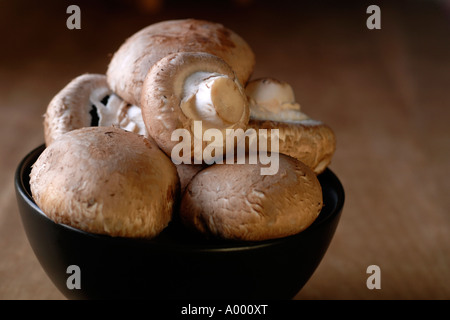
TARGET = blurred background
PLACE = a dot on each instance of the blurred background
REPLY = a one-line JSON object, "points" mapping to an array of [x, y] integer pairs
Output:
{"points": [[384, 92]]}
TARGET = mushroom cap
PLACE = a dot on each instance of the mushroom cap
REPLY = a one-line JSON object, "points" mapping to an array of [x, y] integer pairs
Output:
{"points": [[106, 180], [273, 106], [233, 201], [167, 98], [310, 141], [73, 107], [132, 61]]}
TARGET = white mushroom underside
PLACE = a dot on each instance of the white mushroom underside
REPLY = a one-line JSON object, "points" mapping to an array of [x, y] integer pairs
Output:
{"points": [[117, 112], [273, 100], [258, 112], [212, 98]]}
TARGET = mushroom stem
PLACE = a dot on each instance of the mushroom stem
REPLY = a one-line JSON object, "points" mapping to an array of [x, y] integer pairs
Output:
{"points": [[213, 98], [227, 99], [271, 99]]}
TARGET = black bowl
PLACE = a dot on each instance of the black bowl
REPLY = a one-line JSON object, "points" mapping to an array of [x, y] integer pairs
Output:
{"points": [[176, 264]]}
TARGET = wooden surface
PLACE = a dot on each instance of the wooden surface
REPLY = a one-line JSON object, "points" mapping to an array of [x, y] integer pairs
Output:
{"points": [[384, 92]]}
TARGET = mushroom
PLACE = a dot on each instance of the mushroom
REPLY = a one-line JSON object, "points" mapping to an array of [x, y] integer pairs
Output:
{"points": [[87, 101], [233, 201], [132, 61], [106, 180], [273, 106], [194, 92]]}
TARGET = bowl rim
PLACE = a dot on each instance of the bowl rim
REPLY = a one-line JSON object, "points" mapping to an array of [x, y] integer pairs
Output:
{"points": [[221, 245]]}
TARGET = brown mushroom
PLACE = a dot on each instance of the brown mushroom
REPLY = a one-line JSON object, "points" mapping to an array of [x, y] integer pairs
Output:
{"points": [[273, 106], [193, 91], [87, 101], [106, 180], [132, 61], [233, 201]]}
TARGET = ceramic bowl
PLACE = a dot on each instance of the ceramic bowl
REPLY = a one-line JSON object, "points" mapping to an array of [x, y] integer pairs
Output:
{"points": [[176, 264]]}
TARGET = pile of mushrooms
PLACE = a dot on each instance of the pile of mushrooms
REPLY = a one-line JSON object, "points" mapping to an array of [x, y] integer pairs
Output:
{"points": [[108, 168]]}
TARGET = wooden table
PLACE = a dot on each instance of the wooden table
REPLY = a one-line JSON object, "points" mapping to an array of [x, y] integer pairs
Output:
{"points": [[384, 92]]}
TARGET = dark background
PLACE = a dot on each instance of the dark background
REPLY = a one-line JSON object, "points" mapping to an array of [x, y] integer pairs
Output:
{"points": [[384, 92]]}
